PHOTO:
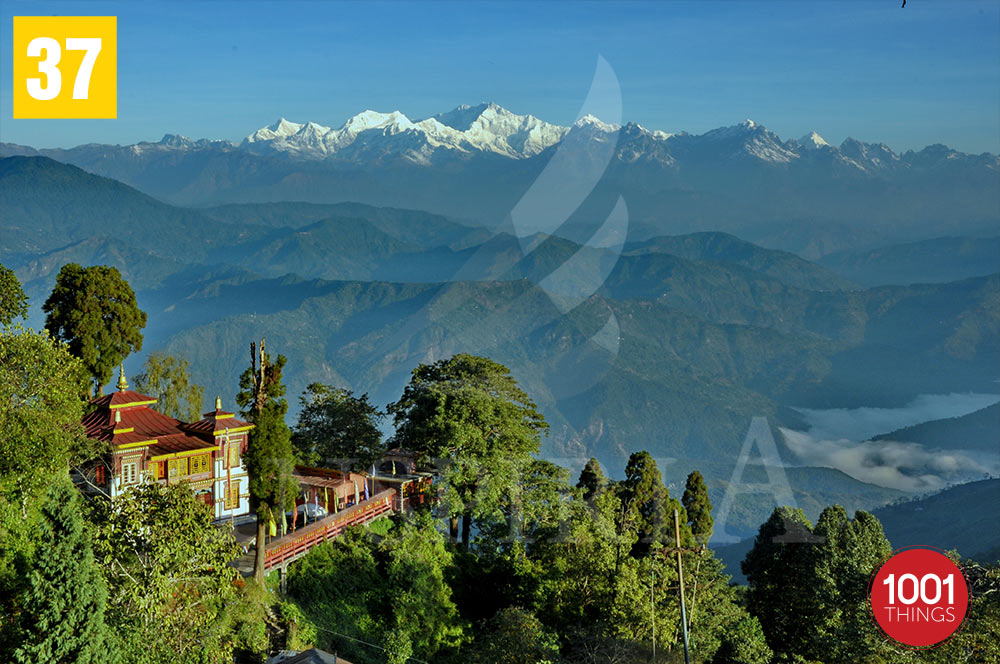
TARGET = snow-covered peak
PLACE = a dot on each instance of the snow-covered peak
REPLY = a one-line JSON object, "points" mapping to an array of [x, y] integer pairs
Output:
{"points": [[374, 120], [812, 140], [280, 129], [595, 123]]}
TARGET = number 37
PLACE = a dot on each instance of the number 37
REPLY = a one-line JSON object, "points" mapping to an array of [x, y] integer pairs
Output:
{"points": [[53, 77]]}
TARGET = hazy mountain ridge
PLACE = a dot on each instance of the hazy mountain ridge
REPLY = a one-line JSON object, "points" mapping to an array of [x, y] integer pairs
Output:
{"points": [[742, 179], [979, 430], [688, 337]]}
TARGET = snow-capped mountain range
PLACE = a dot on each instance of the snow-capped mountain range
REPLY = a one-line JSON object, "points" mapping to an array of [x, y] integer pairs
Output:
{"points": [[491, 130]]}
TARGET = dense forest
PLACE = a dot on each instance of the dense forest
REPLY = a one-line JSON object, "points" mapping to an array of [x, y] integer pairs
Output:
{"points": [[510, 559]]}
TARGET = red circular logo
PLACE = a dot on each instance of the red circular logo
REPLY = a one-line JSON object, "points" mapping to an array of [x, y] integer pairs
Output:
{"points": [[919, 597]]}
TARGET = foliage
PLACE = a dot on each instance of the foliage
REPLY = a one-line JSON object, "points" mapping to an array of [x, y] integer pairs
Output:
{"points": [[796, 571], [698, 507], [646, 505], [515, 636], [745, 644], [390, 590], [94, 310], [592, 479], [979, 638], [269, 459], [469, 414], [63, 606], [337, 429], [13, 301], [173, 595], [167, 377], [40, 432]]}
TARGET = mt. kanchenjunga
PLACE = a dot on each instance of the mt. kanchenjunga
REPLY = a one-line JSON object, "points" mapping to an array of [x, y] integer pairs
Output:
{"points": [[484, 128]]}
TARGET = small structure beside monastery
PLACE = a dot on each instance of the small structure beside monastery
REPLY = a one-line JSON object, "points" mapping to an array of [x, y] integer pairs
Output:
{"points": [[147, 446]]}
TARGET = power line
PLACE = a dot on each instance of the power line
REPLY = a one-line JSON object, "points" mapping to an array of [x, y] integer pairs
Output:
{"points": [[373, 645]]}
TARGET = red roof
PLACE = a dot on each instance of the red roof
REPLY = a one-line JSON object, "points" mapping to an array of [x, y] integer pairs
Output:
{"points": [[125, 417], [215, 421], [122, 398]]}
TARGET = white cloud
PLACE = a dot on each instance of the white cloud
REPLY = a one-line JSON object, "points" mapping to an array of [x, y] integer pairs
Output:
{"points": [[897, 465]]}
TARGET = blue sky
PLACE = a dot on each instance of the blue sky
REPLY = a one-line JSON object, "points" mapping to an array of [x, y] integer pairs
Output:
{"points": [[908, 77]]}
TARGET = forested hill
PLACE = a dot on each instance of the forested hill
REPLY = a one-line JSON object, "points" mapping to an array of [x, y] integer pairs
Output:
{"points": [[681, 342]]}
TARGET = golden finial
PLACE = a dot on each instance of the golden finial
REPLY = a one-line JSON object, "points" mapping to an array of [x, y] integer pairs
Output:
{"points": [[218, 403], [122, 384]]}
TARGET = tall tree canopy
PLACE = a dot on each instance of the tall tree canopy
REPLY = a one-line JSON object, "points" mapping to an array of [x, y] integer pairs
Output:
{"points": [[469, 411], [63, 606], [592, 479], [269, 460], [173, 594], [646, 503], [698, 507], [167, 377], [389, 589], [338, 429], [40, 432], [94, 310], [795, 570], [13, 301]]}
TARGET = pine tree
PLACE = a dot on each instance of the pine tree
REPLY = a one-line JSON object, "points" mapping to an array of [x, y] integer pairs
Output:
{"points": [[63, 609], [645, 501], [269, 457], [592, 479], [698, 507], [13, 301]]}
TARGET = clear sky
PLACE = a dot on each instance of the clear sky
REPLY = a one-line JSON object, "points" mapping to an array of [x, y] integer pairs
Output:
{"points": [[929, 73]]}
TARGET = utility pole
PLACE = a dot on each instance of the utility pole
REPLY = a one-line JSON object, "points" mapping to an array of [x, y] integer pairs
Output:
{"points": [[680, 579], [652, 610]]}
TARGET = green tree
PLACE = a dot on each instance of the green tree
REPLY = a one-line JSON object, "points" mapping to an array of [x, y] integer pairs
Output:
{"points": [[780, 570], [515, 636], [845, 560], [390, 590], [167, 377], [698, 507], [646, 504], [744, 644], [469, 411], [13, 301], [592, 479], [338, 429], [40, 433], [172, 592], [63, 606], [269, 458], [94, 310]]}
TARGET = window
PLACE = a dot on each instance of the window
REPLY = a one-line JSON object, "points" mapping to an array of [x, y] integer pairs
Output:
{"points": [[156, 469], [99, 475], [234, 453], [199, 464], [233, 495], [130, 473], [176, 468]]}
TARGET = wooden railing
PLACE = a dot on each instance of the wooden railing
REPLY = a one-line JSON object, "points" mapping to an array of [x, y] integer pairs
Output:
{"points": [[293, 546]]}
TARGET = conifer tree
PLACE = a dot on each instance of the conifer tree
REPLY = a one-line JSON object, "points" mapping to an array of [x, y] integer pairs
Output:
{"points": [[592, 479], [62, 615], [13, 301], [269, 457], [645, 502], [94, 310], [698, 507]]}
